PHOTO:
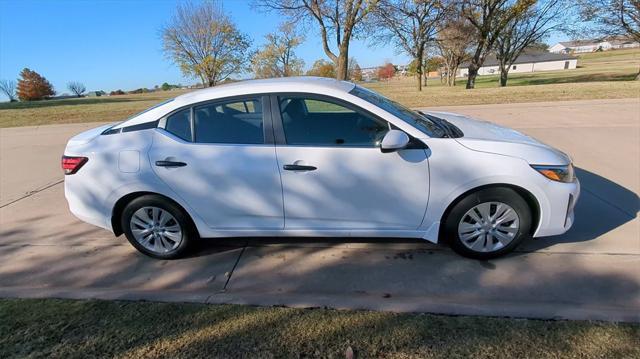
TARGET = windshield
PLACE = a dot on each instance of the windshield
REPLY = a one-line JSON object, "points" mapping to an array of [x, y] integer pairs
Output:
{"points": [[405, 114]]}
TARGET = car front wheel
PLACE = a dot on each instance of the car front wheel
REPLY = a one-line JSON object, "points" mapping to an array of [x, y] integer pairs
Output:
{"points": [[157, 227], [488, 223]]}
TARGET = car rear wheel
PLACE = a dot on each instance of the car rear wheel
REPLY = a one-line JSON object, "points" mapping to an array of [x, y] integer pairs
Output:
{"points": [[157, 227], [488, 223]]}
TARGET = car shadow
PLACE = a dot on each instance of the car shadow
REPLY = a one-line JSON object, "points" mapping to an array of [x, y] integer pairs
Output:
{"points": [[602, 207]]}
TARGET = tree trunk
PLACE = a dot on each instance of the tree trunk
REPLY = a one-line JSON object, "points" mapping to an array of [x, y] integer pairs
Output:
{"points": [[473, 73], [504, 75], [342, 71], [454, 74], [419, 73]]}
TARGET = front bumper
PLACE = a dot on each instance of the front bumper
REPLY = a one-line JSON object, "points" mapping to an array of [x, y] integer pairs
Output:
{"points": [[559, 215]]}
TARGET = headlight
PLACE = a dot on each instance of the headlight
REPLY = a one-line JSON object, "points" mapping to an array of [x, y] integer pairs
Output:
{"points": [[557, 173]]}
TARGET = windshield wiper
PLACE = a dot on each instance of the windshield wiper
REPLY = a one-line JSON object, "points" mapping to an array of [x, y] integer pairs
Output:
{"points": [[447, 131]]}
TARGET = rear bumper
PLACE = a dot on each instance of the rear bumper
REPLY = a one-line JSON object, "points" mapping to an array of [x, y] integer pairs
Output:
{"points": [[84, 205], [559, 216]]}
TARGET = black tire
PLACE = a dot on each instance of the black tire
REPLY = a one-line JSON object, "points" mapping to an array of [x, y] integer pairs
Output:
{"points": [[189, 234], [494, 194]]}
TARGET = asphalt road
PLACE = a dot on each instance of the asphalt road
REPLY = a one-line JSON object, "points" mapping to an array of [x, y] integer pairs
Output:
{"points": [[591, 272]]}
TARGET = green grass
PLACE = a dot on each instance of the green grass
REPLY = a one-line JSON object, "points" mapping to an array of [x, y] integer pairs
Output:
{"points": [[603, 75], [618, 65], [74, 329]]}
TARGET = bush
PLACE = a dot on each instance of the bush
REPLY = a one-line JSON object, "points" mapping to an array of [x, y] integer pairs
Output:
{"points": [[386, 72], [116, 92], [140, 90], [322, 68]]}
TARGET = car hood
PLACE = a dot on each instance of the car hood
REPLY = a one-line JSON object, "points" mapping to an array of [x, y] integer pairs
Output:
{"points": [[485, 136]]}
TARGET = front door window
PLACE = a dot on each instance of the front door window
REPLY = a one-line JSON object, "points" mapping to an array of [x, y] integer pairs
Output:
{"points": [[315, 122]]}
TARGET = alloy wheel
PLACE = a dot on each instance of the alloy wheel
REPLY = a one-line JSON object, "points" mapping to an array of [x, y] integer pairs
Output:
{"points": [[488, 227], [156, 229]]}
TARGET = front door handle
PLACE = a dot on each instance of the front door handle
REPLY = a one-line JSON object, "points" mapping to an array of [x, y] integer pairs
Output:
{"points": [[299, 168], [170, 164]]}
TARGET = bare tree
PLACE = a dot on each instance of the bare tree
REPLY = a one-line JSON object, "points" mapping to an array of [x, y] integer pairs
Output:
{"points": [[612, 18], [76, 88], [454, 42], [411, 25], [432, 62], [524, 30], [204, 42], [8, 88], [277, 58], [489, 18], [337, 19], [351, 69]]}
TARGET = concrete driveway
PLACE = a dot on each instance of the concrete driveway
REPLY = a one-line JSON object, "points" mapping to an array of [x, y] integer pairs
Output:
{"points": [[592, 272]]}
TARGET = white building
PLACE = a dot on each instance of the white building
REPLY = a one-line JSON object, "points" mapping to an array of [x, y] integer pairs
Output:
{"points": [[532, 62], [582, 46]]}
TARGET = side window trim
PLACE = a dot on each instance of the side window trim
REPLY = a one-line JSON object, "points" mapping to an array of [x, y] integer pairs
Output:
{"points": [[278, 127], [267, 116], [267, 120], [192, 124]]}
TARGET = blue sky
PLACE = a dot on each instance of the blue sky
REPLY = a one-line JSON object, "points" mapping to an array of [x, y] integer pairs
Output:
{"points": [[115, 44]]}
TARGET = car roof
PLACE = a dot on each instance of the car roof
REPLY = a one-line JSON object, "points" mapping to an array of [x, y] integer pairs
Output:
{"points": [[283, 84], [301, 84]]}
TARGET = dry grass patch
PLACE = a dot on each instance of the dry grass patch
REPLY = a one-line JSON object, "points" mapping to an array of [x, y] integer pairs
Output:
{"points": [[404, 92], [66, 328], [77, 110]]}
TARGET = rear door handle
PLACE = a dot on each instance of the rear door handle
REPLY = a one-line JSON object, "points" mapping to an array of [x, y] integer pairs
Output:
{"points": [[299, 168], [170, 164]]}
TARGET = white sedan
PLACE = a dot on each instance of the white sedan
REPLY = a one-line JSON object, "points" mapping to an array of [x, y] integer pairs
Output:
{"points": [[315, 157]]}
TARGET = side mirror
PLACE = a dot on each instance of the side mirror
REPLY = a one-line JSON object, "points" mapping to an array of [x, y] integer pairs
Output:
{"points": [[394, 140]]}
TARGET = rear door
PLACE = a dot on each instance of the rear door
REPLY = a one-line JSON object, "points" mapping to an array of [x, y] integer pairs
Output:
{"points": [[220, 158], [334, 175]]}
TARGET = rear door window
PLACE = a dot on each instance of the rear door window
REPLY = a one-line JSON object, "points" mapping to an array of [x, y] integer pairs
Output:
{"points": [[233, 122], [179, 124]]}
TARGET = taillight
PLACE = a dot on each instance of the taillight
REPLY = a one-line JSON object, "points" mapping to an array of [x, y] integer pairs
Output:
{"points": [[71, 164]]}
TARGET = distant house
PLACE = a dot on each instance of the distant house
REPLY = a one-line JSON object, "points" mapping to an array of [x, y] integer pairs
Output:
{"points": [[62, 96], [95, 93], [583, 46], [369, 73], [532, 62]]}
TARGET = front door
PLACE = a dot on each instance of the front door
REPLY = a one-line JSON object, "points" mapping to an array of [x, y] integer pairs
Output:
{"points": [[334, 175], [218, 162]]}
